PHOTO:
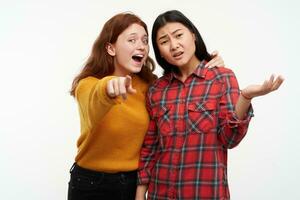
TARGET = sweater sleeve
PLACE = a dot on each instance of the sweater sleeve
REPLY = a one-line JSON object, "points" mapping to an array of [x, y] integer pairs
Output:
{"points": [[93, 100]]}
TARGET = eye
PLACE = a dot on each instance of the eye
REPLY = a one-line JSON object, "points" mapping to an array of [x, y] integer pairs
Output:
{"points": [[132, 40], [145, 41], [179, 35], [163, 42]]}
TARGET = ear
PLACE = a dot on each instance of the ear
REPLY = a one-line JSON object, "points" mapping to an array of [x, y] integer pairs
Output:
{"points": [[110, 49], [194, 36]]}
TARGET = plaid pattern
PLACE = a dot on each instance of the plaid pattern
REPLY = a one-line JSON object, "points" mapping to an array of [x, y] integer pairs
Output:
{"points": [[192, 124]]}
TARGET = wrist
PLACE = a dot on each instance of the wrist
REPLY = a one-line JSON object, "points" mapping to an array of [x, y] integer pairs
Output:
{"points": [[141, 190], [245, 96]]}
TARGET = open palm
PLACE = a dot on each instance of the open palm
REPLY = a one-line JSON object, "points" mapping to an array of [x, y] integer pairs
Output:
{"points": [[268, 86]]}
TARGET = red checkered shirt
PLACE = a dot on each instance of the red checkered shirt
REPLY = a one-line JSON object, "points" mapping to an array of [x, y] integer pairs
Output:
{"points": [[192, 124]]}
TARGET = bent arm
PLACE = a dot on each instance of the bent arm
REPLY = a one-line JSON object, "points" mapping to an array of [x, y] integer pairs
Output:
{"points": [[93, 100]]}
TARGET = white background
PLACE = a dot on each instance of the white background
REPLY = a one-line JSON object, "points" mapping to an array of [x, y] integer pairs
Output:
{"points": [[43, 45]]}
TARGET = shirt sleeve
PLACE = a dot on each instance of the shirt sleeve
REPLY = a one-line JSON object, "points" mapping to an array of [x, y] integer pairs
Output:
{"points": [[93, 100], [231, 129], [149, 148]]}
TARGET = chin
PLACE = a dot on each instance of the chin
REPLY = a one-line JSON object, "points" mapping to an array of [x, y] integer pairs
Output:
{"points": [[181, 63], [136, 70], [178, 64]]}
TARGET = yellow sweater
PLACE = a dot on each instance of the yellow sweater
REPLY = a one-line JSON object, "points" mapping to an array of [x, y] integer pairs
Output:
{"points": [[112, 130]]}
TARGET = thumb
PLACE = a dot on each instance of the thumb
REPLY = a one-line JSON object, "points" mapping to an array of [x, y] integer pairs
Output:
{"points": [[128, 85], [214, 53]]}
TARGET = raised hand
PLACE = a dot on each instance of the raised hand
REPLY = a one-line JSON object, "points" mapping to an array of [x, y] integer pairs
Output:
{"points": [[216, 61], [120, 86], [268, 86]]}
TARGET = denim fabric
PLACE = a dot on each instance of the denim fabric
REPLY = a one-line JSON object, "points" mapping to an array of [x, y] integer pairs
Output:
{"points": [[91, 185]]}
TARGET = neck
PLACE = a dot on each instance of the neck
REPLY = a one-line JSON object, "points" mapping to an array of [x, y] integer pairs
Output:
{"points": [[120, 72], [189, 68]]}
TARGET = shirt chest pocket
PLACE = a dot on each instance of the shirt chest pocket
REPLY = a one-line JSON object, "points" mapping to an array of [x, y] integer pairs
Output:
{"points": [[162, 115], [201, 116]]}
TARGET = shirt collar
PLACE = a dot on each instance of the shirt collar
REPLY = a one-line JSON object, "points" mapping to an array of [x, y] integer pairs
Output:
{"points": [[200, 71]]}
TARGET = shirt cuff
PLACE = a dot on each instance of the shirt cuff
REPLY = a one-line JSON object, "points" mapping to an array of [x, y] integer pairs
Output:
{"points": [[143, 178], [233, 121]]}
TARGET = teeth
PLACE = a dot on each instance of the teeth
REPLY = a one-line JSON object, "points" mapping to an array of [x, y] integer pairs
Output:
{"points": [[139, 55]]}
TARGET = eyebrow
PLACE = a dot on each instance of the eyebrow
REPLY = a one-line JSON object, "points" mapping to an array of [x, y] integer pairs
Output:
{"points": [[174, 32], [134, 34]]}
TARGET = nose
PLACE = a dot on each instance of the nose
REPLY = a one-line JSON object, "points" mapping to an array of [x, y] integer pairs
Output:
{"points": [[141, 45], [174, 45]]}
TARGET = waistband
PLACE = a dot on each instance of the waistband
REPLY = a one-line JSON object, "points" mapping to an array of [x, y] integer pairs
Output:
{"points": [[76, 168]]}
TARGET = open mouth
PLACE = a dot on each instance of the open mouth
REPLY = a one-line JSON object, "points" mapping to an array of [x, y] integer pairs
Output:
{"points": [[177, 54], [138, 58]]}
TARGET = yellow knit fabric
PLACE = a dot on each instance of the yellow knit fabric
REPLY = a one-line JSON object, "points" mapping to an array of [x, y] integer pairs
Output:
{"points": [[112, 130]]}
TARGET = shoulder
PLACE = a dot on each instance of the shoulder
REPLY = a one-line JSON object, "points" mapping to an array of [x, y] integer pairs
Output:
{"points": [[137, 82], [219, 73], [161, 82], [88, 80], [156, 90], [224, 70]]}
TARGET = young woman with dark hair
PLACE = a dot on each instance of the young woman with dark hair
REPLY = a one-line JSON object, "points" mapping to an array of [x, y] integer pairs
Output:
{"points": [[196, 114]]}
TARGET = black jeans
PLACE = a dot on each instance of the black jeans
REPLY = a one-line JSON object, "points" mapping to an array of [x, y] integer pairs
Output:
{"points": [[92, 185]]}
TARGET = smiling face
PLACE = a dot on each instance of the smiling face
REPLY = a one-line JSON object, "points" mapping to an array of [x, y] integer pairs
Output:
{"points": [[176, 44], [130, 51]]}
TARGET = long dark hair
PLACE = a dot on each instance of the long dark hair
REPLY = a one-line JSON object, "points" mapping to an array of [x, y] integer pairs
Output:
{"points": [[176, 16], [100, 63]]}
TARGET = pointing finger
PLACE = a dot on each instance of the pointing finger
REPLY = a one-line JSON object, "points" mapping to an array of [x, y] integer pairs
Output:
{"points": [[128, 84]]}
